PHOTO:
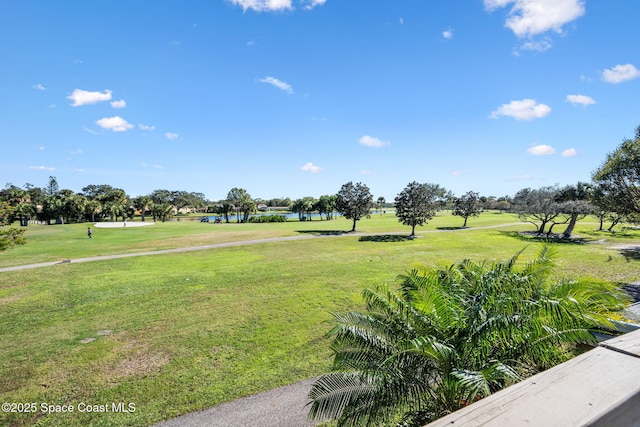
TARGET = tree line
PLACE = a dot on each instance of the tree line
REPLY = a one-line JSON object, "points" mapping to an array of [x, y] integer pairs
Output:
{"points": [[613, 195]]}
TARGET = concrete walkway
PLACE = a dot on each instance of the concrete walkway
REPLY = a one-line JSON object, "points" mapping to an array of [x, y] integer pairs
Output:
{"points": [[280, 407], [231, 244]]}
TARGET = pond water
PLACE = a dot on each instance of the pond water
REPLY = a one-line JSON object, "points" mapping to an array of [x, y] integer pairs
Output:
{"points": [[290, 216]]}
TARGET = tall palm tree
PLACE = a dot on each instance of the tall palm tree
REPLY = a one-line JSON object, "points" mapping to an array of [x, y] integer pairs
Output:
{"points": [[452, 335]]}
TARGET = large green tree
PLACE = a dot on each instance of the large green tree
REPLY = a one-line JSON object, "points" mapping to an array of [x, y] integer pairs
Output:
{"points": [[418, 203], [354, 202], [618, 178], [574, 202], [452, 335], [537, 206], [467, 205], [242, 203]]}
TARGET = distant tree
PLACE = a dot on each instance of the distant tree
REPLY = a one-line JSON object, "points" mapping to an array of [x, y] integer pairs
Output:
{"points": [[502, 205], [161, 211], [537, 205], [242, 202], [52, 188], [160, 196], [418, 203], [92, 208], [51, 208], [467, 205], [354, 202], [619, 176], [19, 201], [180, 199], [225, 209], [97, 192], [24, 211], [142, 204], [12, 236], [380, 204], [304, 207], [573, 201], [326, 205], [606, 207], [75, 206], [183, 199]]}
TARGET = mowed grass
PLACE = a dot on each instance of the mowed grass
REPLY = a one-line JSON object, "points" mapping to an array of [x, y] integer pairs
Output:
{"points": [[190, 330], [61, 242]]}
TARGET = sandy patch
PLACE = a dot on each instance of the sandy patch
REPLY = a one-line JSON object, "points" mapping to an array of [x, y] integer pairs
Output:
{"points": [[626, 247], [121, 224]]}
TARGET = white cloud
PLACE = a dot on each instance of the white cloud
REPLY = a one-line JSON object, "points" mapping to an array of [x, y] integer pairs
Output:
{"points": [[91, 131], [77, 152], [171, 135], [448, 34], [278, 83], [310, 167], [157, 167], [310, 4], [531, 17], [366, 172], [79, 170], [535, 46], [145, 127], [83, 97], [115, 124], [41, 148], [401, 20], [580, 99], [263, 5], [370, 141], [52, 106], [569, 152], [39, 87], [457, 173], [620, 73], [42, 168], [524, 109], [541, 150], [118, 104]]}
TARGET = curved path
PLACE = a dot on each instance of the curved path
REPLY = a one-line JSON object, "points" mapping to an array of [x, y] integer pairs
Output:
{"points": [[230, 244], [279, 407], [282, 406]]}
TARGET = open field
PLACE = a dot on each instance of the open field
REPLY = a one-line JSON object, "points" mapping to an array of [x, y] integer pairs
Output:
{"points": [[180, 332]]}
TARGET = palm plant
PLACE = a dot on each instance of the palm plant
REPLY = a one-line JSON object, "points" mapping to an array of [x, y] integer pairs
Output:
{"points": [[452, 335]]}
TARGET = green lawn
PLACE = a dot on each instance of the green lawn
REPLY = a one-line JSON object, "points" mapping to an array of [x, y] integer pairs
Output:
{"points": [[190, 330]]}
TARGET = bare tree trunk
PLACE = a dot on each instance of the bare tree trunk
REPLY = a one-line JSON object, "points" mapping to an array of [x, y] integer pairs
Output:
{"points": [[572, 223]]}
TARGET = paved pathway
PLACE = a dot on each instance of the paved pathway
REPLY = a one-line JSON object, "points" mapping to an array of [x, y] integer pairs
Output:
{"points": [[230, 244], [280, 407]]}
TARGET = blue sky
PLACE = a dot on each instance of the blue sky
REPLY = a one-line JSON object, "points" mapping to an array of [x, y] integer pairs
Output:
{"points": [[296, 97]]}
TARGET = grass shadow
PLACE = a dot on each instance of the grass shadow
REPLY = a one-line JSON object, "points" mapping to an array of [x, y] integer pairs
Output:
{"points": [[632, 290], [451, 228], [625, 233], [528, 236], [385, 238], [630, 254], [324, 232]]}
